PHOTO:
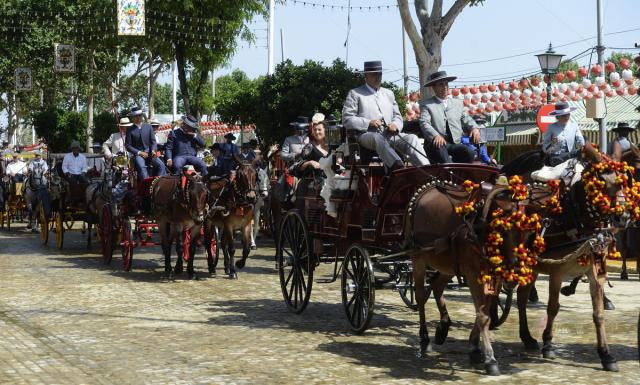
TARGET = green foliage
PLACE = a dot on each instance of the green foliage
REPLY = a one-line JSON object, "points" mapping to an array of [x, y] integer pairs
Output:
{"points": [[299, 90], [59, 128], [235, 94], [104, 125]]}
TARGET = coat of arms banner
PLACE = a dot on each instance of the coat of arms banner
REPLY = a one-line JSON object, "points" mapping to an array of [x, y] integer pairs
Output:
{"points": [[23, 79], [65, 58], [131, 17]]}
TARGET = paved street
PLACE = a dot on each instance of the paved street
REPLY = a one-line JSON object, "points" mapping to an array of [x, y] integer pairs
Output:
{"points": [[65, 318]]}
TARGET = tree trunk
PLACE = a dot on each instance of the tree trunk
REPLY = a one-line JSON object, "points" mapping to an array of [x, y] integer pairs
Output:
{"points": [[90, 95], [182, 77], [203, 81], [11, 127]]}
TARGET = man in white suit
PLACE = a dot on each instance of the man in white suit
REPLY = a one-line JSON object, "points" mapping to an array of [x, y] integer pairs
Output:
{"points": [[563, 139], [443, 121], [373, 111], [115, 143]]}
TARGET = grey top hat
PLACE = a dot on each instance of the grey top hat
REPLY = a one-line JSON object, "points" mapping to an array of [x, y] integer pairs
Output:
{"points": [[438, 77], [136, 111], [562, 108], [623, 127], [372, 66], [74, 144], [190, 121]]}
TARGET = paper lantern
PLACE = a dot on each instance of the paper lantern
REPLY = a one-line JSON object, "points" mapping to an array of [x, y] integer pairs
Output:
{"points": [[598, 94], [536, 90], [483, 88], [609, 67], [455, 92], [627, 74], [524, 83], [591, 88], [491, 87], [580, 88], [464, 90], [498, 107], [582, 71], [573, 86], [502, 86], [546, 79], [620, 91], [609, 93], [589, 95], [596, 70], [571, 75], [598, 81], [624, 63], [473, 90], [513, 85], [484, 98], [559, 77], [467, 96], [631, 90], [629, 81], [562, 87], [586, 83]]}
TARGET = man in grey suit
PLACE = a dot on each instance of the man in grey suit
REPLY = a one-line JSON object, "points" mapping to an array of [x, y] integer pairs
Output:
{"points": [[563, 139], [293, 144], [373, 112], [443, 121]]}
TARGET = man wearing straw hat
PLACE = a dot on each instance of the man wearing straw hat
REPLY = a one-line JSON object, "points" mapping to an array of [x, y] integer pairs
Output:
{"points": [[182, 146], [563, 139], [141, 143], [443, 122], [115, 143], [373, 112]]}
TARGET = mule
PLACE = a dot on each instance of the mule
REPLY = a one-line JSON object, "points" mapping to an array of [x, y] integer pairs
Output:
{"points": [[231, 208], [178, 205], [36, 193]]}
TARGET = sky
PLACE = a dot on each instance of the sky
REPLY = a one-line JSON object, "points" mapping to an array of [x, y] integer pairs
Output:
{"points": [[498, 29]]}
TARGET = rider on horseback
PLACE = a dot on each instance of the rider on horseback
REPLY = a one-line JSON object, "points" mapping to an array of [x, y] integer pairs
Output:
{"points": [[182, 146]]}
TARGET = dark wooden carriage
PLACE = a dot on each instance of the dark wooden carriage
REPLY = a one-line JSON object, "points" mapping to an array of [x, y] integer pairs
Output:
{"points": [[365, 242]]}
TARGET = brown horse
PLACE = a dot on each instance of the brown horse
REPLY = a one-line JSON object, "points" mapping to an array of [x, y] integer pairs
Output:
{"points": [[453, 246], [231, 205], [561, 261], [179, 204]]}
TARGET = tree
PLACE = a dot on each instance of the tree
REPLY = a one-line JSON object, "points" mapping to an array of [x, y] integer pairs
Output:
{"points": [[434, 27], [234, 94]]}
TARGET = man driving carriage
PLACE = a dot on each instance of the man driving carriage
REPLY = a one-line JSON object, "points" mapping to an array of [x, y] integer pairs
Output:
{"points": [[182, 146], [372, 111], [115, 144], [17, 169], [443, 122], [563, 139], [229, 155], [141, 143], [74, 165]]}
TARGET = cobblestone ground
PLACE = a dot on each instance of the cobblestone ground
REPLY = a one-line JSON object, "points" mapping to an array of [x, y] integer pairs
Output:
{"points": [[65, 318]]}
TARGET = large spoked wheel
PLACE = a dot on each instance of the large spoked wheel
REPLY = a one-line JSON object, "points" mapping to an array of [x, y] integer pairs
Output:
{"points": [[59, 230], [500, 307], [127, 245], [44, 225], [294, 259], [358, 292], [106, 234]]}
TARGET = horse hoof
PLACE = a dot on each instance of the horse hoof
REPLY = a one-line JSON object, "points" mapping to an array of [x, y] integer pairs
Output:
{"points": [[240, 263], [212, 272], [442, 330], [608, 305], [610, 366], [530, 343], [425, 347], [567, 291], [193, 277], [178, 270], [624, 276], [548, 352], [492, 369], [233, 275], [475, 356], [254, 247]]}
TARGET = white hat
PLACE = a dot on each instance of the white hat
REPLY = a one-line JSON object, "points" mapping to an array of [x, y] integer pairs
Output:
{"points": [[317, 118], [125, 122]]}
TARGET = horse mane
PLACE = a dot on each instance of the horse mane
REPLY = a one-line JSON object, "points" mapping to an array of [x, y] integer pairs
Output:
{"points": [[524, 163]]}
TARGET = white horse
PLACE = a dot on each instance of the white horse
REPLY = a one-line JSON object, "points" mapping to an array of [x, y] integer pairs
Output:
{"points": [[262, 189]]}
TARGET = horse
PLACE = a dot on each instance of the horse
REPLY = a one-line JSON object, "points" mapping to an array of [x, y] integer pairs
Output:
{"points": [[560, 260], [36, 193], [630, 236], [98, 194], [441, 239], [262, 190], [231, 208], [178, 206]]}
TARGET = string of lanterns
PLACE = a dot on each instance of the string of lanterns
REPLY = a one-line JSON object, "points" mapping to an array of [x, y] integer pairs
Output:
{"points": [[345, 7]]}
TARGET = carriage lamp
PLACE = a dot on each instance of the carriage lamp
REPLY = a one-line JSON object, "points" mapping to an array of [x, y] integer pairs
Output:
{"points": [[333, 135], [207, 158], [121, 160], [549, 63]]}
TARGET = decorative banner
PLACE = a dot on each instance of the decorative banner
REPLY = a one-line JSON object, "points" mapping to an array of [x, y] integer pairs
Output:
{"points": [[65, 58], [23, 79], [131, 18]]}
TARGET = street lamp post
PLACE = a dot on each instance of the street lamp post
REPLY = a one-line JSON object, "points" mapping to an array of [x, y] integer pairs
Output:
{"points": [[549, 63]]}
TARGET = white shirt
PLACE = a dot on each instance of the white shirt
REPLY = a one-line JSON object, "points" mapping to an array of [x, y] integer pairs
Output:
{"points": [[75, 165], [444, 101], [41, 162], [16, 167]]}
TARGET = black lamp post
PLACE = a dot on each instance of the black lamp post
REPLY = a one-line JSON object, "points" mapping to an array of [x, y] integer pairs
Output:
{"points": [[549, 63]]}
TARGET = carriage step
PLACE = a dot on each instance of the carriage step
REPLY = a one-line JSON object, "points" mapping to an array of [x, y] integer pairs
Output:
{"points": [[325, 280]]}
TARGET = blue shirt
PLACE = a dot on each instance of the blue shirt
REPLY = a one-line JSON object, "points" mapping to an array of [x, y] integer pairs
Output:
{"points": [[484, 157]]}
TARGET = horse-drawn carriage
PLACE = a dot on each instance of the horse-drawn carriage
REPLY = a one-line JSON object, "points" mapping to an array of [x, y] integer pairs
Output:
{"points": [[13, 202], [366, 239]]}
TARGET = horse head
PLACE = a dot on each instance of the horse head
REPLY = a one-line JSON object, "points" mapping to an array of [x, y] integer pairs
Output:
{"points": [[196, 198], [245, 182]]}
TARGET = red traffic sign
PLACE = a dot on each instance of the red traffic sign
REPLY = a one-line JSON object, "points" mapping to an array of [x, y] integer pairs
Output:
{"points": [[544, 119]]}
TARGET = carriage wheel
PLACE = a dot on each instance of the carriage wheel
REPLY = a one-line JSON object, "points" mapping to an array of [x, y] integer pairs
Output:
{"points": [[106, 234], [186, 244], [294, 261], [358, 292], [500, 307], [127, 245], [406, 287], [44, 225], [59, 230]]}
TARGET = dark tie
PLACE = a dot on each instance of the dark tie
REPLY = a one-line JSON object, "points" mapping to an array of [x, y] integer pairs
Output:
{"points": [[449, 137]]}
